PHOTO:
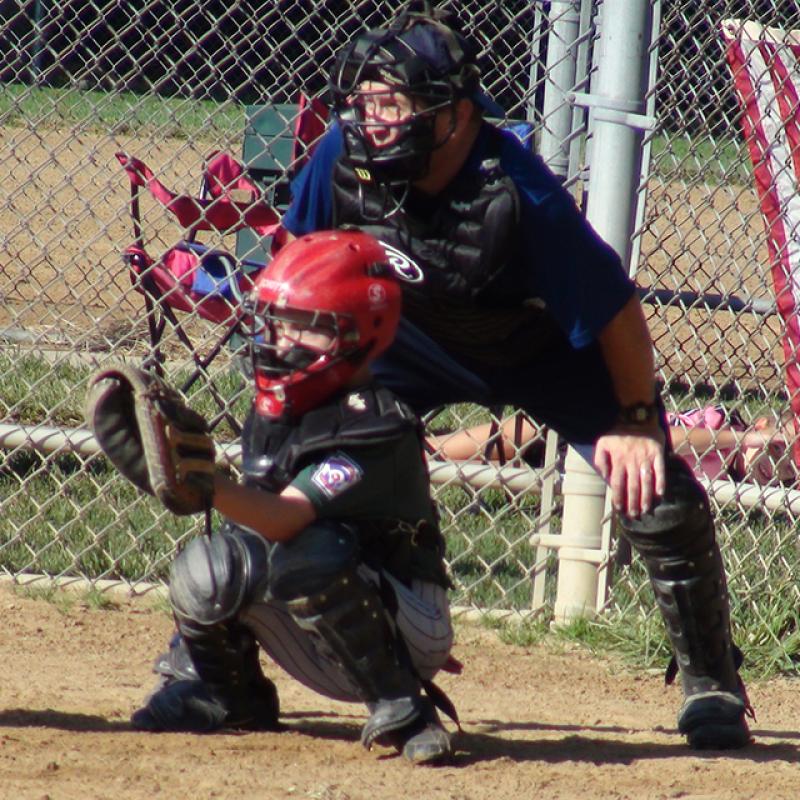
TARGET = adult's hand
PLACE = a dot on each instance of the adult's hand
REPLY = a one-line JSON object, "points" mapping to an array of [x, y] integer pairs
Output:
{"points": [[632, 464]]}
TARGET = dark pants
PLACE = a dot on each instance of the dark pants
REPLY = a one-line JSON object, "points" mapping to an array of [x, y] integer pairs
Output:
{"points": [[566, 389]]}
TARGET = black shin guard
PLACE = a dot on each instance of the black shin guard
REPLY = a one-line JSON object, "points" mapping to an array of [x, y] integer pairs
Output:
{"points": [[316, 576], [225, 658], [678, 545], [213, 675], [679, 548], [349, 618], [225, 687]]}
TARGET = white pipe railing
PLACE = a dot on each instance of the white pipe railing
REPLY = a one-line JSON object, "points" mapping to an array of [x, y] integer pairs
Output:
{"points": [[46, 439], [582, 547], [519, 480]]}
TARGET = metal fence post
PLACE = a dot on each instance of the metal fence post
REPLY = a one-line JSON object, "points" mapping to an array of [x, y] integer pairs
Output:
{"points": [[557, 113], [622, 55], [617, 121]]}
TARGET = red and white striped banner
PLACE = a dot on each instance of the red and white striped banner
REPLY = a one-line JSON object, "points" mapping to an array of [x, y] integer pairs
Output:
{"points": [[765, 63]]}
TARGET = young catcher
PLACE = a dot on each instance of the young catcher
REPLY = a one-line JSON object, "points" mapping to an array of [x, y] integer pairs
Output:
{"points": [[330, 557]]}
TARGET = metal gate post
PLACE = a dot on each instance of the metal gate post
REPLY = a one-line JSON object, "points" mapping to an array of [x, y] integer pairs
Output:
{"points": [[617, 120]]}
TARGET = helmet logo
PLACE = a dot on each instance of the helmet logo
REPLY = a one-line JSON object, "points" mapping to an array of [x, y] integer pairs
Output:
{"points": [[357, 402], [268, 405], [376, 295], [405, 269]]}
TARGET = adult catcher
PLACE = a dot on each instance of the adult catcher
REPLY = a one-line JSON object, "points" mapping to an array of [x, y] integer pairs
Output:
{"points": [[510, 298], [331, 557]]}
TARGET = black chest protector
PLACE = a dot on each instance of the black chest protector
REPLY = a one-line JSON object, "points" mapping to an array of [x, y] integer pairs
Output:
{"points": [[273, 452], [460, 241], [457, 254]]}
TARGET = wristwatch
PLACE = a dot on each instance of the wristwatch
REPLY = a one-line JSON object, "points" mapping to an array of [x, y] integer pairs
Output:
{"points": [[638, 413]]}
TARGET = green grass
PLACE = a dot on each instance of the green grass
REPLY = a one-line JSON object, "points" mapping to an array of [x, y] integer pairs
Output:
{"points": [[35, 391], [66, 514], [701, 158], [65, 600], [122, 113], [488, 547], [63, 515], [762, 581]]}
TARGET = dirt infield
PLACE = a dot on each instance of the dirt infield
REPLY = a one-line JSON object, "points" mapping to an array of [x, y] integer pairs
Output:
{"points": [[539, 722], [542, 722]]}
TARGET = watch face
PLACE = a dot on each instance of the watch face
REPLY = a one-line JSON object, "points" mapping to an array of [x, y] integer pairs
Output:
{"points": [[638, 413]]}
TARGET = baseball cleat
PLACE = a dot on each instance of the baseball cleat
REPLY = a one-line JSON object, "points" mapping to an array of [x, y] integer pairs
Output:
{"points": [[187, 706], [714, 720]]}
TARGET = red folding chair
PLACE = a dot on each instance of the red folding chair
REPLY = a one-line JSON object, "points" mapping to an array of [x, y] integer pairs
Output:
{"points": [[193, 278]]}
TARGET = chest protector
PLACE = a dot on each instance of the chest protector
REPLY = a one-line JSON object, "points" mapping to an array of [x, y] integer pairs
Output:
{"points": [[273, 452], [457, 254], [460, 241]]}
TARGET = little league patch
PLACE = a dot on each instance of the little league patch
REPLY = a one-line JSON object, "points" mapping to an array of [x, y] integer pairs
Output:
{"points": [[336, 474]]}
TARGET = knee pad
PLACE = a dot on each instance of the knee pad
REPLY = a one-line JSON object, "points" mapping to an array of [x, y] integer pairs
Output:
{"points": [[681, 520], [214, 577], [310, 561]]}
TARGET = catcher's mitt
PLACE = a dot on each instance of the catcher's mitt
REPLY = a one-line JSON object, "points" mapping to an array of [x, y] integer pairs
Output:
{"points": [[152, 437]]}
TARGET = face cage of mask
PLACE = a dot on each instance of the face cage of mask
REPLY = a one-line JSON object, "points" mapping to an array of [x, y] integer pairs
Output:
{"points": [[299, 360], [405, 158], [393, 168], [388, 60]]}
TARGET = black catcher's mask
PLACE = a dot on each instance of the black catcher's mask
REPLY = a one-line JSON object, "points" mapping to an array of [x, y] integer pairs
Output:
{"points": [[418, 56]]}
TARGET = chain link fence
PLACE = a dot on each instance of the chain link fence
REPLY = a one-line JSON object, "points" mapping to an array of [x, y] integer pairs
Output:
{"points": [[169, 82]]}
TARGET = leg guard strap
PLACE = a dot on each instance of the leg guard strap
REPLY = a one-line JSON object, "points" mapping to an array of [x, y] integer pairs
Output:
{"points": [[350, 619], [315, 575]]}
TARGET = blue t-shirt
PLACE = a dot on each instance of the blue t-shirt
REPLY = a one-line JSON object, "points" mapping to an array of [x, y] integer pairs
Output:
{"points": [[566, 264]]}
